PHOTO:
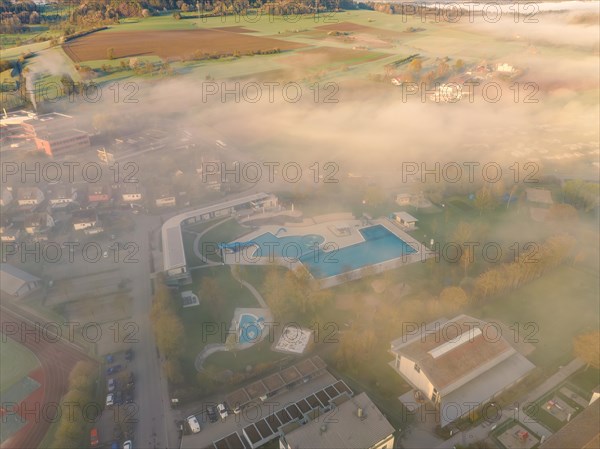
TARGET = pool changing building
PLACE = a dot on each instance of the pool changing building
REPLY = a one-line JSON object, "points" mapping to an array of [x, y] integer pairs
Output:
{"points": [[456, 366], [174, 263]]}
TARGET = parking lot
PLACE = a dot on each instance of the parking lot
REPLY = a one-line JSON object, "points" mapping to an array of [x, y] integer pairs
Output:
{"points": [[215, 431], [120, 415]]}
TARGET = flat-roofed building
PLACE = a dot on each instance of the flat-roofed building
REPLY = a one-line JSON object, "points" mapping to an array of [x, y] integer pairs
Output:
{"points": [[55, 134], [355, 423], [16, 282]]}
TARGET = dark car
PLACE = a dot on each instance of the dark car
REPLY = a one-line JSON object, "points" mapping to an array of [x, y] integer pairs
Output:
{"points": [[113, 369], [129, 355], [129, 397], [119, 397], [211, 412], [110, 358]]}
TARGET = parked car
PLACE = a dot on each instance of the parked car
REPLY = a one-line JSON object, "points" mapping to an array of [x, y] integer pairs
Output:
{"points": [[127, 445], [129, 355], [113, 369], [211, 412], [118, 397], [110, 399], [194, 424], [94, 441], [114, 445], [131, 379], [110, 358], [112, 383], [222, 411], [129, 397]]}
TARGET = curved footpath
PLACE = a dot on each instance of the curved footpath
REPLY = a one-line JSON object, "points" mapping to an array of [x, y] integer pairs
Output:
{"points": [[211, 348]]}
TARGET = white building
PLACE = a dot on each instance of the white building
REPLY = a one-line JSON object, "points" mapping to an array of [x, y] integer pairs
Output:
{"points": [[29, 196], [16, 282], [356, 423], [5, 197], [405, 220], [457, 366], [505, 68], [131, 192]]}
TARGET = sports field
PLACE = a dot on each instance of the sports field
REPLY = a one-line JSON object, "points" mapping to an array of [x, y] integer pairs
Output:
{"points": [[21, 362]]}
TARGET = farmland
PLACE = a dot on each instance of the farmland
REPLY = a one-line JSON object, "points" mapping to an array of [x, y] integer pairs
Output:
{"points": [[175, 43]]}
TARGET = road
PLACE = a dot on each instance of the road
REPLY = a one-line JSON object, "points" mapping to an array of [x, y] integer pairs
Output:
{"points": [[155, 427]]}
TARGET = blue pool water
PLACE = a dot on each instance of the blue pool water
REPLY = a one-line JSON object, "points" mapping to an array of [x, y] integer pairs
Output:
{"points": [[379, 245], [250, 328]]}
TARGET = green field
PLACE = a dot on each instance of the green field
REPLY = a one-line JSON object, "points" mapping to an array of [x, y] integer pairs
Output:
{"points": [[18, 362], [562, 304]]}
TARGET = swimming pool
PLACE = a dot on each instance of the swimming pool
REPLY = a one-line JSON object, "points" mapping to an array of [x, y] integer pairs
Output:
{"points": [[250, 328], [379, 246]]}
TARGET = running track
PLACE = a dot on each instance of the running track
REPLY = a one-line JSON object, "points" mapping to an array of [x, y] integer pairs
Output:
{"points": [[56, 359]]}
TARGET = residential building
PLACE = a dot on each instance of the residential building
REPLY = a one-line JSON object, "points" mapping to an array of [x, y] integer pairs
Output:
{"points": [[62, 195], [582, 432], [165, 199], [38, 223], [16, 282], [505, 68], [29, 196], [403, 199], [131, 192], [99, 193], [354, 423], [86, 221], [8, 233], [457, 365], [5, 197]]}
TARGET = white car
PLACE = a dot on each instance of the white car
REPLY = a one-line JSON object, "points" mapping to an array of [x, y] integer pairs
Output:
{"points": [[222, 411], [111, 385], [110, 399], [194, 424], [105, 254], [127, 445]]}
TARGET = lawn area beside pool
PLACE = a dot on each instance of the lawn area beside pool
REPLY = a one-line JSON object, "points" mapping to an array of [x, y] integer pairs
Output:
{"points": [[210, 321]]}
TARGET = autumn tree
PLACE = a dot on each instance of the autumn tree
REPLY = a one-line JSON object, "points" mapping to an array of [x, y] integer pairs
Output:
{"points": [[453, 298], [587, 348]]}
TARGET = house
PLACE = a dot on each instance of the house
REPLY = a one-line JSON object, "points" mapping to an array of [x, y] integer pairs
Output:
{"points": [[165, 199], [505, 68], [99, 193], [355, 423], [582, 432], [405, 220], [131, 192], [5, 197], [403, 199], [62, 195], [16, 282], [8, 233], [38, 223], [457, 365], [86, 221], [29, 196]]}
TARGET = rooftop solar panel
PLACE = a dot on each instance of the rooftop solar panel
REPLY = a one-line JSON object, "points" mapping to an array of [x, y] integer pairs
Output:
{"points": [[303, 406], [273, 422], [331, 391], [313, 401], [322, 397], [294, 411], [263, 428], [283, 416], [252, 434]]}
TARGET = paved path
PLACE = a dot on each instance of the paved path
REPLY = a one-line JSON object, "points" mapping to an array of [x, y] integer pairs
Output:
{"points": [[482, 431]]}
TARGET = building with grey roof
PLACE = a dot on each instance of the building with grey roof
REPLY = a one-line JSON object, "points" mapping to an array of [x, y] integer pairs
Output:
{"points": [[16, 282], [356, 423]]}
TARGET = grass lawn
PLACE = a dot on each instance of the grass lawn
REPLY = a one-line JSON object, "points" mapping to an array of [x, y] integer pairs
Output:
{"points": [[226, 232], [209, 322], [18, 362], [556, 306]]}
